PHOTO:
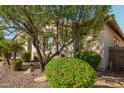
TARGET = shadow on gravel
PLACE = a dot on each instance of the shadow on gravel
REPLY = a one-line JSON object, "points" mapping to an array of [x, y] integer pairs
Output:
{"points": [[102, 86], [28, 65], [114, 79], [113, 74]]}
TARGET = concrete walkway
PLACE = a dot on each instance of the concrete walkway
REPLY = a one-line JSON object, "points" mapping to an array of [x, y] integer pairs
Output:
{"points": [[111, 80]]}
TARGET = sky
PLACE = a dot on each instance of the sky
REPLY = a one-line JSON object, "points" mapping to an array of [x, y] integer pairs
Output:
{"points": [[118, 11]]}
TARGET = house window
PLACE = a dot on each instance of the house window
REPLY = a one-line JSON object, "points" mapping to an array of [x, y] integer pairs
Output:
{"points": [[50, 40]]}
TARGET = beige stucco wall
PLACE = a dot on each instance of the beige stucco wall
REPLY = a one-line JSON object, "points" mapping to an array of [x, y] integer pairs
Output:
{"points": [[105, 41], [33, 52]]}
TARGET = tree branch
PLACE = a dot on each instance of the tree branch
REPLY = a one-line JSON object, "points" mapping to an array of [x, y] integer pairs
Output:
{"points": [[58, 52]]}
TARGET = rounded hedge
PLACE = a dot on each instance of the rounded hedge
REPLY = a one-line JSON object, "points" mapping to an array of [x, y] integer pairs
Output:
{"points": [[69, 73], [16, 64], [90, 57], [26, 56]]}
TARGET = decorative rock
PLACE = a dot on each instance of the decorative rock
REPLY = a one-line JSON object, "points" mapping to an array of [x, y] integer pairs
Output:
{"points": [[122, 83], [117, 85], [2, 63], [29, 71], [40, 79]]}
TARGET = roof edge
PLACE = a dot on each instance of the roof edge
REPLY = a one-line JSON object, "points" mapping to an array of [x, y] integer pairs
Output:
{"points": [[114, 25]]}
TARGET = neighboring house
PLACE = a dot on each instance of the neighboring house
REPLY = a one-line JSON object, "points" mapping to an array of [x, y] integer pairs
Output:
{"points": [[110, 36]]}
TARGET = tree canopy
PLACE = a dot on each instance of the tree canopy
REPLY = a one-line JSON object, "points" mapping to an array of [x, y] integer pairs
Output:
{"points": [[52, 28]]}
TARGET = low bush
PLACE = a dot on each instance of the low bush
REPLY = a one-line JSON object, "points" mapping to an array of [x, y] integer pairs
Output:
{"points": [[26, 56], [69, 73], [16, 64], [90, 57]]}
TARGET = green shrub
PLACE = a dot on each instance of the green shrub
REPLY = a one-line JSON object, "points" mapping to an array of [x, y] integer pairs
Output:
{"points": [[90, 57], [26, 56], [16, 64], [69, 73]]}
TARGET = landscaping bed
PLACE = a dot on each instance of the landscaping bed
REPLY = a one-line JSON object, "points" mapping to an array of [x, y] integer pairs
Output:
{"points": [[18, 79]]}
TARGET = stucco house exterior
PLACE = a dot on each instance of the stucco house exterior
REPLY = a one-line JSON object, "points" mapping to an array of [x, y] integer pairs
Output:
{"points": [[110, 36]]}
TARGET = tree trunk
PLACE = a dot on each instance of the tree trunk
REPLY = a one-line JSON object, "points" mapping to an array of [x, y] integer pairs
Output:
{"points": [[7, 59], [35, 43], [76, 43], [15, 54], [42, 67], [8, 62]]}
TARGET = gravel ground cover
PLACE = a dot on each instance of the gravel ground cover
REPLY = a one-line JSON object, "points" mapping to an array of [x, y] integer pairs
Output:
{"points": [[18, 79], [13, 79]]}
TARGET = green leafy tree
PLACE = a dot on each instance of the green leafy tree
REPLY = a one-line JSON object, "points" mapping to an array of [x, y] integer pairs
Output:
{"points": [[9, 47], [54, 27], [5, 50], [16, 47]]}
